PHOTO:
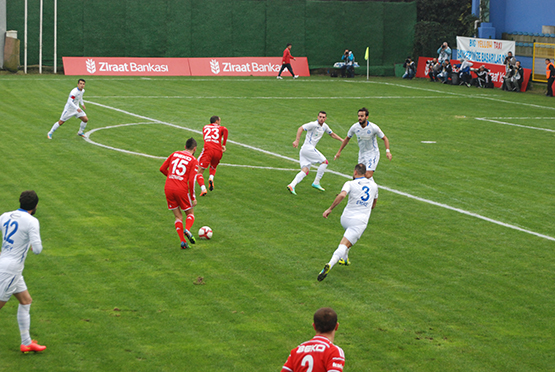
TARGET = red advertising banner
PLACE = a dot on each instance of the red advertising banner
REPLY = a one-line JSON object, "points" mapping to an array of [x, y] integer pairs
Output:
{"points": [[115, 66], [217, 66], [497, 72], [245, 66]]}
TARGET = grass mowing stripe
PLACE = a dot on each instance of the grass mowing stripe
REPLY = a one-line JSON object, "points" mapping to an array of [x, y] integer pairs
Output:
{"points": [[333, 172]]}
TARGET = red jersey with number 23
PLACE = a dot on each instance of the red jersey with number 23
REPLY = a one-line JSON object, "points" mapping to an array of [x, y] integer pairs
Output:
{"points": [[180, 169], [316, 355], [215, 136]]}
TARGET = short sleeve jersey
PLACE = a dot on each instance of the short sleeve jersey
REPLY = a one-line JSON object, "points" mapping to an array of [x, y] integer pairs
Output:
{"points": [[75, 99], [366, 137], [180, 169], [20, 231], [362, 192], [316, 355], [314, 132], [215, 136]]}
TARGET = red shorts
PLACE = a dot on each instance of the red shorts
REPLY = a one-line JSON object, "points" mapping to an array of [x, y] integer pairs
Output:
{"points": [[178, 198], [209, 157]]}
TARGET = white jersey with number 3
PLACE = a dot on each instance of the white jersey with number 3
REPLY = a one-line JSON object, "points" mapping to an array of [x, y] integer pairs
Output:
{"points": [[20, 230], [361, 192]]}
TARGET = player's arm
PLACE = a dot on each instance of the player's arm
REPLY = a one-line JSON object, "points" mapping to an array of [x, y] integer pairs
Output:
{"points": [[343, 144], [224, 134], [298, 138], [338, 199], [164, 168], [335, 136], [82, 102], [191, 182], [71, 103], [34, 237], [386, 142]]}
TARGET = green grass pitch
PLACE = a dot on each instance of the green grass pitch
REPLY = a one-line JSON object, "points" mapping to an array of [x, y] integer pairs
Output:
{"points": [[465, 284]]}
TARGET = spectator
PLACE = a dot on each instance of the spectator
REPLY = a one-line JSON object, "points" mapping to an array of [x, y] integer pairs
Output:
{"points": [[464, 71], [550, 75], [434, 68], [509, 60], [410, 68], [444, 53], [349, 64], [446, 70]]}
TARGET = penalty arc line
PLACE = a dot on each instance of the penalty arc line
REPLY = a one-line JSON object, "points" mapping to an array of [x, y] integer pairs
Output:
{"points": [[462, 211]]}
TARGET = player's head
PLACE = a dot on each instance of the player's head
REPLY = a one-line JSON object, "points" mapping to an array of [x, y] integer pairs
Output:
{"points": [[28, 200], [214, 119], [360, 170], [547, 61], [363, 115], [191, 144], [289, 45], [325, 320], [322, 117], [81, 83]]}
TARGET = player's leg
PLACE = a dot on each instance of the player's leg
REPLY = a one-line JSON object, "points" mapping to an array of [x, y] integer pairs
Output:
{"points": [[24, 318], [321, 170], [340, 253], [371, 161], [179, 226], [56, 126], [281, 70], [84, 120], [189, 221], [298, 178], [214, 161], [200, 180]]}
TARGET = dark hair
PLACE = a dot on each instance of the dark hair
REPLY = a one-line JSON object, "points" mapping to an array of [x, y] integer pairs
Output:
{"points": [[548, 60], [288, 44], [325, 320], [214, 119], [83, 80], [190, 144], [360, 169], [323, 112], [365, 110], [28, 200]]}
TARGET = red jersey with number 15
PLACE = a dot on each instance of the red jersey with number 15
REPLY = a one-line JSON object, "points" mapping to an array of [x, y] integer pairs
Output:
{"points": [[316, 355], [180, 169], [215, 136]]}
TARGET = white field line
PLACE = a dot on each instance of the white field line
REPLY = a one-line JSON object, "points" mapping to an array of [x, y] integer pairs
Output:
{"points": [[514, 125], [462, 211], [285, 98]]}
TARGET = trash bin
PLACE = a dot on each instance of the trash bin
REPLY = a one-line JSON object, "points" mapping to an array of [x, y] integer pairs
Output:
{"points": [[11, 51]]}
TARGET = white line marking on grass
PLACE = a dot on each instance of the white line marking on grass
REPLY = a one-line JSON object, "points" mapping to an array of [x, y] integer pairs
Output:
{"points": [[462, 211], [515, 125], [285, 98]]}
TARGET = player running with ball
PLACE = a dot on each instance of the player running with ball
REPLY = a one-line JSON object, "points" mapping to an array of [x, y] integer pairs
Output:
{"points": [[363, 194], [215, 139], [180, 169]]}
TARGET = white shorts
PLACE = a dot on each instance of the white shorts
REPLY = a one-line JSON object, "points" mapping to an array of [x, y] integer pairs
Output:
{"points": [[370, 159], [309, 156], [10, 284], [354, 228], [68, 114]]}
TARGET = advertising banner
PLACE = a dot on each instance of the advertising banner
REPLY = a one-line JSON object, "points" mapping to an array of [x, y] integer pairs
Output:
{"points": [[484, 50], [217, 66], [497, 72], [245, 66], [126, 66]]}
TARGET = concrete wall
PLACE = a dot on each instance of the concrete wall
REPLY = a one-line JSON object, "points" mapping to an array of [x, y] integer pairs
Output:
{"points": [[2, 30]]}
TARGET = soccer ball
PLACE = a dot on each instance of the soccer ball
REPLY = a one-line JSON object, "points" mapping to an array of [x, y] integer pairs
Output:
{"points": [[205, 233]]}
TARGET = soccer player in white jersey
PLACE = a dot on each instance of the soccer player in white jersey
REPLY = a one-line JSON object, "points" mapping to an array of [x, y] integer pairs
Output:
{"points": [[363, 194], [20, 231], [72, 109], [366, 132], [308, 154]]}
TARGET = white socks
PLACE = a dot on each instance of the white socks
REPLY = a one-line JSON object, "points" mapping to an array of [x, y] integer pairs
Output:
{"points": [[54, 127], [82, 127], [24, 321], [298, 178], [340, 252], [320, 173]]}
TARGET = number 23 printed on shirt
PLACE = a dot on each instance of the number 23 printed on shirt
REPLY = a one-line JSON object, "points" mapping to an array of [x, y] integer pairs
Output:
{"points": [[211, 134]]}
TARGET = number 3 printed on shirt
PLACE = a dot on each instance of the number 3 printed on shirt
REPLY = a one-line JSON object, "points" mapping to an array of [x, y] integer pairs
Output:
{"points": [[211, 134], [366, 196], [308, 361]]}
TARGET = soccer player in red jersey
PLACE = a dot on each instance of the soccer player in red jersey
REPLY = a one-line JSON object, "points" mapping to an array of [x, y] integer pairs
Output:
{"points": [[318, 354], [215, 138], [180, 169], [286, 62]]}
